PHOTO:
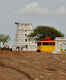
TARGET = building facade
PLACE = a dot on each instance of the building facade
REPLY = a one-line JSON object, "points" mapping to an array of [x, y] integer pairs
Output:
{"points": [[60, 43], [22, 41]]}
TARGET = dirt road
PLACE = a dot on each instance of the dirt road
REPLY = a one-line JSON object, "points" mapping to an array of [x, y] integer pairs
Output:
{"points": [[32, 66]]}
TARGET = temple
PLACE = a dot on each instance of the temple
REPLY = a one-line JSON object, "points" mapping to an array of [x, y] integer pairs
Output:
{"points": [[21, 41]]}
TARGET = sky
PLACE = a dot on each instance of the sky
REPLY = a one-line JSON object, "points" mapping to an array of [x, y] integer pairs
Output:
{"points": [[38, 12]]}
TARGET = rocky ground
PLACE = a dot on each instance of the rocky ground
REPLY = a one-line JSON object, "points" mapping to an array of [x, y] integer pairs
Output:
{"points": [[32, 66]]}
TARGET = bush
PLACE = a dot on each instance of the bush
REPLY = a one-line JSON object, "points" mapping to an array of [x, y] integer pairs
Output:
{"points": [[4, 48]]}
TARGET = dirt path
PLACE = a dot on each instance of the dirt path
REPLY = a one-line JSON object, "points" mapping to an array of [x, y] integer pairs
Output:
{"points": [[30, 66]]}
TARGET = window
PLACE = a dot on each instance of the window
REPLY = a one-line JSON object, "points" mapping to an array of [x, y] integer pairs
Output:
{"points": [[50, 43], [45, 43], [39, 43], [25, 24], [25, 40], [25, 34], [53, 43], [26, 46]]}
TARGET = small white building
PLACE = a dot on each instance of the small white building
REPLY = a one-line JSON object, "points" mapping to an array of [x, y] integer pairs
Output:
{"points": [[22, 41], [60, 43]]}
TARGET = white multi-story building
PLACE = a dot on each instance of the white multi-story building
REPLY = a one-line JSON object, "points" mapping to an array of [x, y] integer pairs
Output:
{"points": [[22, 41]]}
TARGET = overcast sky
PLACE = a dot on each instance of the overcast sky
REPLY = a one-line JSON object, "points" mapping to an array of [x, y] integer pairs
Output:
{"points": [[37, 12]]}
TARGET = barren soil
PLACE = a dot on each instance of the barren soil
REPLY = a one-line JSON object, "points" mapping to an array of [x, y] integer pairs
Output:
{"points": [[32, 66]]}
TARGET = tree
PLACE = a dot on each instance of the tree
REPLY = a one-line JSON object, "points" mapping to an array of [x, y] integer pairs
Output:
{"points": [[4, 38], [40, 32]]}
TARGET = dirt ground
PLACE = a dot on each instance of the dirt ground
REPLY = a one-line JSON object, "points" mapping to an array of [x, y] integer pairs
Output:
{"points": [[32, 66]]}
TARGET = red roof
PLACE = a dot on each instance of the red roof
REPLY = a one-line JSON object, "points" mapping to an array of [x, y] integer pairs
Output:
{"points": [[47, 39]]}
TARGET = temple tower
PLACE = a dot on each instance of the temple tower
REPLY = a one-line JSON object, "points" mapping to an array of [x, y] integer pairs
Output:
{"points": [[21, 41]]}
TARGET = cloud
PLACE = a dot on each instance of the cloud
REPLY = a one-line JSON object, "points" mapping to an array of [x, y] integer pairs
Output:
{"points": [[61, 10], [33, 12], [58, 11], [34, 9], [61, 0], [32, 5]]}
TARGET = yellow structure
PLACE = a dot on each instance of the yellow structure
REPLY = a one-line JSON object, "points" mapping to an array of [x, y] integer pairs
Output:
{"points": [[55, 46], [46, 46]]}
